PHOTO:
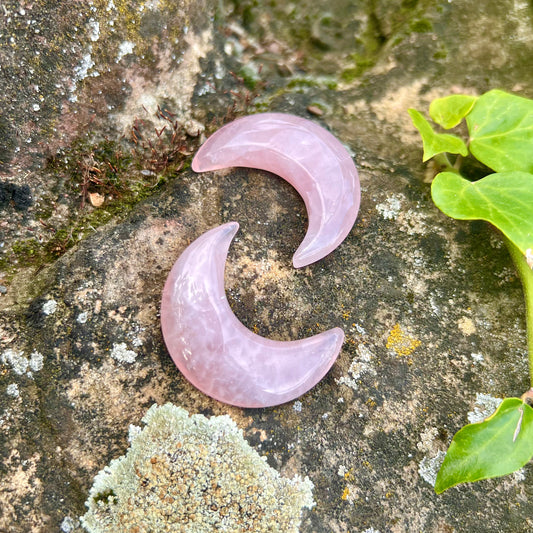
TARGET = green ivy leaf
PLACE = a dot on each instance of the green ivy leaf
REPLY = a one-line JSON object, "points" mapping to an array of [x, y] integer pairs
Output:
{"points": [[501, 131], [450, 110], [495, 447], [436, 143], [504, 199]]}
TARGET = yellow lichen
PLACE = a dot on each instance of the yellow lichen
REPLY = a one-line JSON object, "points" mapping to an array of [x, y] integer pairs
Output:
{"points": [[400, 342]]}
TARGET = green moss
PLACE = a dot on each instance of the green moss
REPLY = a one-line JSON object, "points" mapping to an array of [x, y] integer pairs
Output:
{"points": [[421, 26], [301, 82], [349, 74], [362, 63], [309, 82], [25, 248], [106, 497], [440, 54], [122, 172], [250, 77]]}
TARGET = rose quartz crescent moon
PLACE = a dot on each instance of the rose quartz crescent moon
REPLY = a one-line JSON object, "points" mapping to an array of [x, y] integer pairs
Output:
{"points": [[216, 352], [306, 155]]}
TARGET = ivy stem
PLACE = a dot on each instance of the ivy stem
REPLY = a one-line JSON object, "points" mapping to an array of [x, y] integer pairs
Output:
{"points": [[526, 276], [444, 162]]}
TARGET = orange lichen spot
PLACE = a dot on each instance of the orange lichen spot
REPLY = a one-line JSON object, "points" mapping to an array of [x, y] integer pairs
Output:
{"points": [[402, 343], [350, 340], [348, 476]]}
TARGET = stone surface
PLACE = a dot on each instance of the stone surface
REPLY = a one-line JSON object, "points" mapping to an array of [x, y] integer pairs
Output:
{"points": [[309, 157], [431, 308], [219, 355]]}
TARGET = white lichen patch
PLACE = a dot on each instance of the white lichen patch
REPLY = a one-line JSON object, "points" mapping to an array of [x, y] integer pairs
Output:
{"points": [[193, 474], [49, 307], [342, 470], [13, 390], [520, 475], [20, 364], [477, 358], [429, 467], [125, 48], [427, 439], [94, 30], [69, 525], [359, 367], [36, 361], [390, 208], [485, 406], [121, 353], [16, 360]]}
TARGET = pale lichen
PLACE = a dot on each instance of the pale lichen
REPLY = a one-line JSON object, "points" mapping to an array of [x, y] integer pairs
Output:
{"points": [[193, 474], [20, 364], [16, 360], [69, 525], [485, 406], [429, 467], [390, 208], [49, 307], [360, 365], [13, 390], [121, 353]]}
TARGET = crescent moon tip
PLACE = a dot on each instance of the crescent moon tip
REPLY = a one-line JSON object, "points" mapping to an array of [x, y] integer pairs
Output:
{"points": [[306, 257], [298, 262], [234, 225], [340, 333], [195, 165], [229, 229]]}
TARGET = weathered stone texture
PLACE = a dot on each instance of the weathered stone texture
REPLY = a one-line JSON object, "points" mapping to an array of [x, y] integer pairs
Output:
{"points": [[431, 308]]}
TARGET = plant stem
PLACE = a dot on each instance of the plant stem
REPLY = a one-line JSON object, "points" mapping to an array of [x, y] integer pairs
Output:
{"points": [[526, 276], [444, 162]]}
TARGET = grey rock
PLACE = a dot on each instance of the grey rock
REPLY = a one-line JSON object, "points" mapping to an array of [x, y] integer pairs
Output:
{"points": [[432, 308]]}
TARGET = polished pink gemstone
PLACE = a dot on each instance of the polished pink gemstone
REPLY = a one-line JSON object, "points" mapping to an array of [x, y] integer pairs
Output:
{"points": [[306, 155], [214, 350]]}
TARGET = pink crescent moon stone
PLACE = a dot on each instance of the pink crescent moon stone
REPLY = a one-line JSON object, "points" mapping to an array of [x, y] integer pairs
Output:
{"points": [[306, 155], [214, 350]]}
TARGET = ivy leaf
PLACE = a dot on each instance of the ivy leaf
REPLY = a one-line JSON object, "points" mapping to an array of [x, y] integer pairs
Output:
{"points": [[450, 110], [495, 447], [504, 199], [436, 143], [501, 131]]}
